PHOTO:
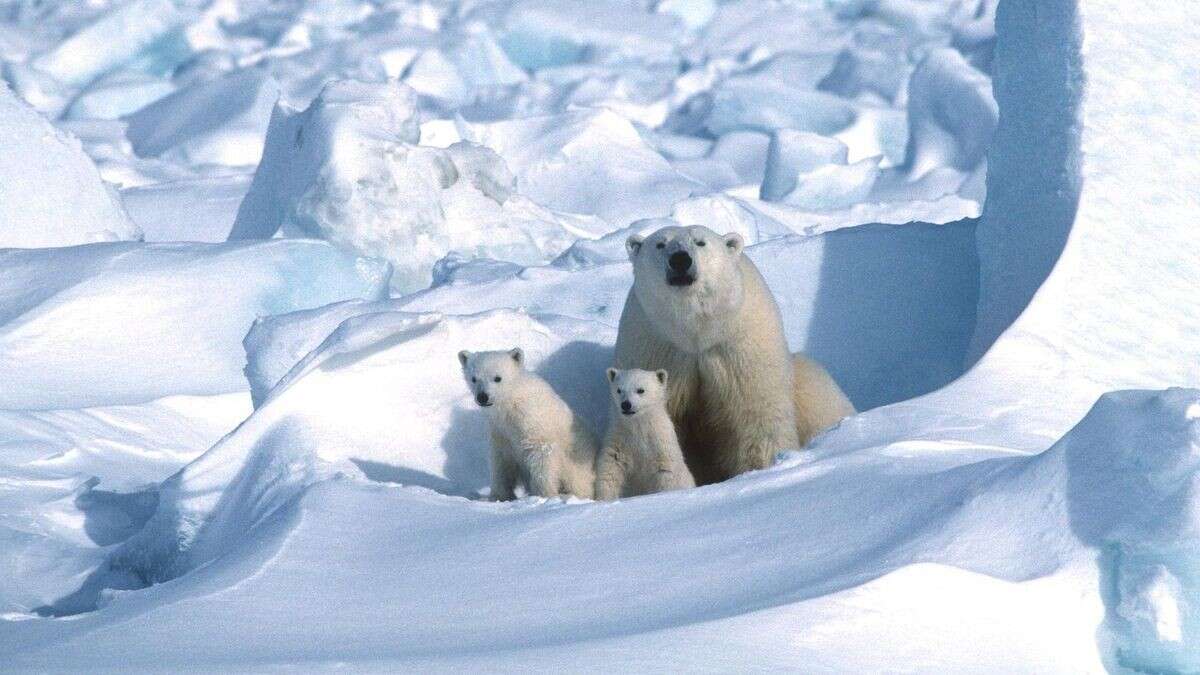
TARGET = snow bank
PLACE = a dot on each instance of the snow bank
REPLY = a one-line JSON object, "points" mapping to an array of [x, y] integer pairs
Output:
{"points": [[219, 122], [50, 192], [349, 402], [1076, 173], [348, 169], [125, 323], [945, 539]]}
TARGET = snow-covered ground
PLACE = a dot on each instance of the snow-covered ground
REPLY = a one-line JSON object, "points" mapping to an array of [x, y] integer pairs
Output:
{"points": [[241, 242]]}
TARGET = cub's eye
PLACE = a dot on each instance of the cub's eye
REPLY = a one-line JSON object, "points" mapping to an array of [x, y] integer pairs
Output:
{"points": [[619, 392], [641, 391], [660, 245], [497, 379], [473, 380], [700, 243]]}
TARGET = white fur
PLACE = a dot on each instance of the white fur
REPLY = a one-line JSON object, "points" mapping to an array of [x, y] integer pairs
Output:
{"points": [[736, 395], [641, 453], [537, 439]]}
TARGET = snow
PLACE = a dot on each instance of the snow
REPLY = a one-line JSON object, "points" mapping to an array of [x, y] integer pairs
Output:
{"points": [[219, 122], [244, 443], [51, 194], [349, 169], [127, 323]]}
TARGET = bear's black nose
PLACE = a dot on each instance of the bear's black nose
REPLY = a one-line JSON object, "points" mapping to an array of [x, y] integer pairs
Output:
{"points": [[626, 406], [680, 261], [481, 398]]}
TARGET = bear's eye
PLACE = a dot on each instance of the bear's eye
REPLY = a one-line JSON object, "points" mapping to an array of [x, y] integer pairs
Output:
{"points": [[641, 391], [700, 243], [619, 392], [497, 379], [473, 380], [660, 245]]}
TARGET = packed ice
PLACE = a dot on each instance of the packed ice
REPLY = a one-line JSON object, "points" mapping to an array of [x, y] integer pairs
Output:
{"points": [[243, 241]]}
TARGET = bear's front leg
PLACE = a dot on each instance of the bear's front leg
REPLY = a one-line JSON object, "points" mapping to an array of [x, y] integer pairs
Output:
{"points": [[504, 476], [755, 446], [671, 474], [610, 475], [542, 469]]}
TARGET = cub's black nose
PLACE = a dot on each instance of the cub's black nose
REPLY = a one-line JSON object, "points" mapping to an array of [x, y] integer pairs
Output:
{"points": [[680, 261], [481, 398], [626, 406]]}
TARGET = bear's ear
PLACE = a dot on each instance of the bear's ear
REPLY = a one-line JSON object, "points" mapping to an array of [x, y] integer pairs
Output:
{"points": [[661, 375], [517, 355], [463, 356], [734, 243], [634, 244], [612, 374]]}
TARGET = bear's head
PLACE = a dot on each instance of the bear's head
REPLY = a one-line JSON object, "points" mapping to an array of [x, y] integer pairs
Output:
{"points": [[688, 280], [634, 390], [491, 375]]}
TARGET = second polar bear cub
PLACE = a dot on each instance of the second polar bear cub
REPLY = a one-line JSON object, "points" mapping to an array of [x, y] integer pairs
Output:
{"points": [[537, 439], [641, 454]]}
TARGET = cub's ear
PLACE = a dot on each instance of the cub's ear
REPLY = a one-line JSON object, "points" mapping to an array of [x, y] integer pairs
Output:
{"points": [[612, 374], [634, 244], [517, 355], [462, 357], [661, 375], [734, 243]]}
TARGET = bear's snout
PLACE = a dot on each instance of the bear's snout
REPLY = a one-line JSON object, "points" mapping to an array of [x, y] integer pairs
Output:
{"points": [[680, 269], [627, 407], [482, 399]]}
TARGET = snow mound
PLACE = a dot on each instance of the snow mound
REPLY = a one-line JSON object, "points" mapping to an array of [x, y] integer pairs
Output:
{"points": [[125, 323], [50, 192], [348, 169], [348, 403]]}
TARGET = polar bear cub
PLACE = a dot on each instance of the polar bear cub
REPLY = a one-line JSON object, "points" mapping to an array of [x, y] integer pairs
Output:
{"points": [[641, 454], [537, 439]]}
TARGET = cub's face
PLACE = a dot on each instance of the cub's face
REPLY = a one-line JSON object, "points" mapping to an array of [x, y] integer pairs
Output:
{"points": [[634, 391], [684, 259], [490, 375]]}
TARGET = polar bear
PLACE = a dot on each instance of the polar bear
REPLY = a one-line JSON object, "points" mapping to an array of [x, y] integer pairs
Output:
{"points": [[536, 438], [700, 310], [640, 454]]}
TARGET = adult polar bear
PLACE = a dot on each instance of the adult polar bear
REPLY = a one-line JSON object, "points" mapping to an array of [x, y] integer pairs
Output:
{"points": [[700, 310]]}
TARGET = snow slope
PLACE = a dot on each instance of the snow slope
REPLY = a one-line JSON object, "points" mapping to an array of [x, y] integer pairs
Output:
{"points": [[1018, 494]]}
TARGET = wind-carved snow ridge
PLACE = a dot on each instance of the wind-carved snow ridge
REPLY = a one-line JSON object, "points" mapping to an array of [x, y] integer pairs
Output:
{"points": [[299, 434]]}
